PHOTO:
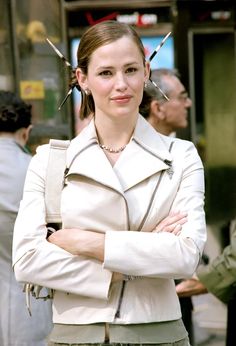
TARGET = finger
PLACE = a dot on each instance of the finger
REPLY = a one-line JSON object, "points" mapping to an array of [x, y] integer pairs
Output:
{"points": [[178, 233], [167, 228], [178, 212], [182, 221], [179, 218], [168, 223], [171, 222], [177, 229]]}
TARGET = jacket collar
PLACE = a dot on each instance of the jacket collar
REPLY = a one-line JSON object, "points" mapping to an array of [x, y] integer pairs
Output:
{"points": [[146, 154]]}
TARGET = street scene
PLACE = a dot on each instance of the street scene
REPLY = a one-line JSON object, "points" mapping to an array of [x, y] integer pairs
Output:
{"points": [[117, 172]]}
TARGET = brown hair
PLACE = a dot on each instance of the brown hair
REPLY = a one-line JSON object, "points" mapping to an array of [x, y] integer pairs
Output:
{"points": [[96, 36]]}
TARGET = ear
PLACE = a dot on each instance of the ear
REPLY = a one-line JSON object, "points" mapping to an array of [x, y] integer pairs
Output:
{"points": [[81, 78], [161, 112], [26, 133], [147, 71], [157, 109], [22, 135]]}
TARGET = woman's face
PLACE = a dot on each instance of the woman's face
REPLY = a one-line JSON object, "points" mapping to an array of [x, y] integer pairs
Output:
{"points": [[116, 78]]}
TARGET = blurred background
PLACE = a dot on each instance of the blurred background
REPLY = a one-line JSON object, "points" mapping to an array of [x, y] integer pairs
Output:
{"points": [[202, 47]]}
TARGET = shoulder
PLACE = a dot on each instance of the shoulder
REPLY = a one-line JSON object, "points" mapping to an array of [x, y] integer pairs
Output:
{"points": [[165, 147], [39, 160], [182, 144], [25, 159], [42, 151], [147, 134], [185, 153]]}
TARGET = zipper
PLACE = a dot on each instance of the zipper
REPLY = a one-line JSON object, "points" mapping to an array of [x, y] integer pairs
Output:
{"points": [[117, 314], [168, 163], [170, 172], [151, 201]]}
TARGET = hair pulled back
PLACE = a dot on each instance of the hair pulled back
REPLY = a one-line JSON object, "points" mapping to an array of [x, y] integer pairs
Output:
{"points": [[96, 36], [14, 112]]}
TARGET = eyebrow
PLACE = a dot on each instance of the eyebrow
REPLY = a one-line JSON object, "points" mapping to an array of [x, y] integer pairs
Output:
{"points": [[111, 67]]}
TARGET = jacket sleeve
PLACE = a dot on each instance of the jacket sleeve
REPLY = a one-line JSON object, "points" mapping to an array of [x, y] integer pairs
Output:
{"points": [[164, 254], [219, 276], [37, 261]]}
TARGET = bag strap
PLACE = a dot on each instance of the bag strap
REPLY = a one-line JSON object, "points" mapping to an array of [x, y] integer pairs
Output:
{"points": [[54, 179], [53, 188]]}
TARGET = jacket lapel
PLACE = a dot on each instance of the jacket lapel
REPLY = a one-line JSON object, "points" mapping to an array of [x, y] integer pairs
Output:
{"points": [[86, 158], [146, 154]]}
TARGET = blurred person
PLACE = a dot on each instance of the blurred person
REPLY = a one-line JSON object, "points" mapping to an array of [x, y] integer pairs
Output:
{"points": [[17, 328], [113, 261], [218, 278], [167, 116]]}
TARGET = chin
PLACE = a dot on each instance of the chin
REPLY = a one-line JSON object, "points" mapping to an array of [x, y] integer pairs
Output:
{"points": [[184, 125], [126, 112]]}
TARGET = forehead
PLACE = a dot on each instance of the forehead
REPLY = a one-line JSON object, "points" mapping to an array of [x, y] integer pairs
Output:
{"points": [[124, 49], [174, 85]]}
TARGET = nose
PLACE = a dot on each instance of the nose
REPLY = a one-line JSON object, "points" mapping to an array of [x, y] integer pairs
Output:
{"points": [[188, 102], [121, 82]]}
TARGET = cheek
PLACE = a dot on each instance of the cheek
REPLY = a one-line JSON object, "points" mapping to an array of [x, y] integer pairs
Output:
{"points": [[138, 90], [137, 86], [180, 115], [100, 87]]}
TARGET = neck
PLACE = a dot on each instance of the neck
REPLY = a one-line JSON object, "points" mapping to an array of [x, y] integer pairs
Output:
{"points": [[7, 135], [20, 136], [160, 127], [114, 134], [163, 130], [11, 135]]}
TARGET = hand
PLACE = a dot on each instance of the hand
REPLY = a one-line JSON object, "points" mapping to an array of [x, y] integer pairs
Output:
{"points": [[172, 223], [67, 239], [79, 242], [191, 287], [117, 277]]}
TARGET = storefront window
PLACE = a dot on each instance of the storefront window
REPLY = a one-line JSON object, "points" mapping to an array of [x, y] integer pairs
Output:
{"points": [[6, 69], [41, 73]]}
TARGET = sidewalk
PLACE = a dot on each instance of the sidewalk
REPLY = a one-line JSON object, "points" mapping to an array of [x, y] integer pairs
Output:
{"points": [[209, 320], [214, 341]]}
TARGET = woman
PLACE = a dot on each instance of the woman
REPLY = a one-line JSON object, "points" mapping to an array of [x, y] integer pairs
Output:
{"points": [[112, 265], [17, 328]]}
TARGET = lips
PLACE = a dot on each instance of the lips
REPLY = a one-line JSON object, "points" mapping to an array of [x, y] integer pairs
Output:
{"points": [[121, 98]]}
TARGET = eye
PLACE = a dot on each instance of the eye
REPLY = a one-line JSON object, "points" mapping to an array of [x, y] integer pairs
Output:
{"points": [[131, 70], [183, 96], [105, 73]]}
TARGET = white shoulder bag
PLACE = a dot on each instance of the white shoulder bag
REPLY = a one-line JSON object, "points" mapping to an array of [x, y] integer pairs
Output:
{"points": [[53, 187]]}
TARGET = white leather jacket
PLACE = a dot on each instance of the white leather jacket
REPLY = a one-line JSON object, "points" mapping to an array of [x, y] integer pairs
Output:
{"points": [[154, 175]]}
